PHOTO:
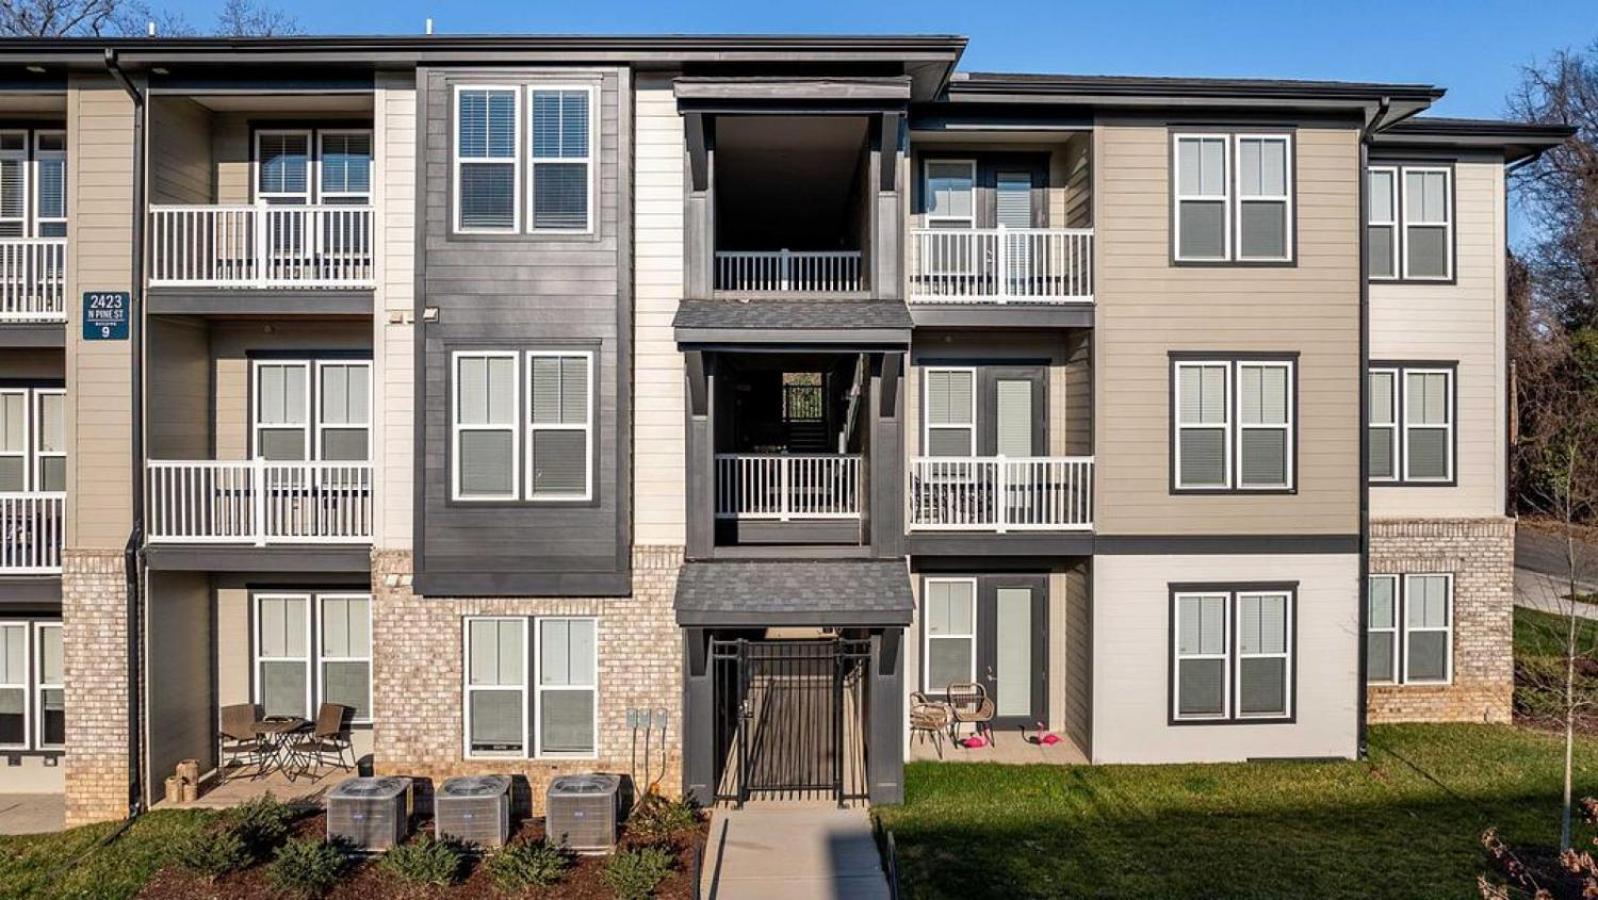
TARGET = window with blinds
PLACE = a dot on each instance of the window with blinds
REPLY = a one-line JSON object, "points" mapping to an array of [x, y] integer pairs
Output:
{"points": [[1232, 654], [283, 654], [1381, 224], [567, 694], [308, 409], [13, 183], [33, 447], [1203, 204], [487, 166], [560, 425], [283, 167], [1233, 198], [1232, 425], [50, 183], [1409, 629], [344, 410], [282, 409], [1381, 630], [950, 632], [1265, 425], [496, 687], [49, 674], [345, 162], [1428, 223], [951, 412], [1203, 425], [485, 436], [561, 146], [1382, 423], [1428, 424], [344, 663]]}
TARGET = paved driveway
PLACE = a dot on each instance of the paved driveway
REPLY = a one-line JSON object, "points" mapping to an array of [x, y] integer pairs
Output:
{"points": [[32, 813]]}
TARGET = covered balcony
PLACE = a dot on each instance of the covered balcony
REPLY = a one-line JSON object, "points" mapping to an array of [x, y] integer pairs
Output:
{"points": [[1001, 265], [32, 528], [33, 208], [1000, 494]]}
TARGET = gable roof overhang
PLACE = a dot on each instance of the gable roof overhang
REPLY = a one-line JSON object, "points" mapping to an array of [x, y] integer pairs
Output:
{"points": [[1516, 141]]}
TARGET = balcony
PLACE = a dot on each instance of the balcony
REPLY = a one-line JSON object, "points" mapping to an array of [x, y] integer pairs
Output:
{"points": [[33, 280], [32, 529], [784, 488], [789, 272], [997, 266], [262, 247], [258, 502], [999, 494]]}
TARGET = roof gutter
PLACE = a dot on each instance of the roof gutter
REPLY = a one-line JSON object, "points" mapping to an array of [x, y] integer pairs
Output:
{"points": [[132, 558]]}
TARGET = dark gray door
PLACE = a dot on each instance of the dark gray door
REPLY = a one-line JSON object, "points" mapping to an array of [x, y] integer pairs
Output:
{"points": [[1012, 642]]}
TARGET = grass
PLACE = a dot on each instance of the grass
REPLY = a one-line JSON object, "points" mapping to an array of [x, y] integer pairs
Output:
{"points": [[1543, 634], [1404, 824], [78, 864]]}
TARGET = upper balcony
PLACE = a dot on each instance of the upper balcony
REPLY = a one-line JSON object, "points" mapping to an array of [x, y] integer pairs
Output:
{"points": [[33, 280], [32, 528], [1000, 265], [33, 219]]}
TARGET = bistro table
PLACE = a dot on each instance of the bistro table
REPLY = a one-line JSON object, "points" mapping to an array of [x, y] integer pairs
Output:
{"points": [[278, 732]]}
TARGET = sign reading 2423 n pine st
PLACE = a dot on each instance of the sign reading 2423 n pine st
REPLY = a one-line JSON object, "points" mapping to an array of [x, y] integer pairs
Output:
{"points": [[105, 315]]}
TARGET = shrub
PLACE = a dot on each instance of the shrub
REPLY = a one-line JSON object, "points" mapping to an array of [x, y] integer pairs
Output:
{"points": [[425, 861], [307, 867], [526, 865], [657, 819], [213, 851], [262, 824], [634, 874]]}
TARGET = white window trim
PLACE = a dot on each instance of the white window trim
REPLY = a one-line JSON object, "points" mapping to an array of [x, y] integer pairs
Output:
{"points": [[1286, 656], [927, 637], [316, 166], [1225, 657], [1225, 427], [310, 648], [539, 689], [1391, 224], [457, 427], [21, 156], [40, 685], [587, 427], [1447, 224], [319, 423], [1394, 629], [590, 161], [1287, 428], [927, 426], [515, 159], [25, 685], [262, 196], [40, 155], [1286, 198], [1393, 427], [36, 438], [1447, 428], [1225, 197], [467, 688], [969, 221], [25, 454], [307, 428], [322, 659], [1447, 630]]}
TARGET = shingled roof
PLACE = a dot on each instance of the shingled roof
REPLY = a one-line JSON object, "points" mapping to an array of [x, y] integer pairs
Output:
{"points": [[798, 592]]}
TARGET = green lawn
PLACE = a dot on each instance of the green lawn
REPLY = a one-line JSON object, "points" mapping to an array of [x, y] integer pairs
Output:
{"points": [[80, 863]]}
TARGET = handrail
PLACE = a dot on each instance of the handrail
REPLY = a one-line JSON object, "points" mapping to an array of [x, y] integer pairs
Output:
{"points": [[784, 487], [32, 530], [244, 246], [33, 279], [788, 270], [259, 501], [1001, 265], [999, 494]]}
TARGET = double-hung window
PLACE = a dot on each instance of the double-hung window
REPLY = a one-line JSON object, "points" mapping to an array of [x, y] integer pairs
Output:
{"points": [[313, 648], [1381, 226], [33, 439], [1232, 654], [1232, 197], [283, 167], [487, 164], [50, 686], [1410, 423], [13, 184], [950, 193], [283, 654], [14, 666], [32, 686], [951, 416], [951, 634], [560, 425], [33, 183], [282, 409], [485, 434], [555, 716], [1232, 424], [562, 163], [312, 409], [344, 410], [344, 672], [14, 439], [568, 681], [50, 183], [1410, 629], [1382, 425], [1410, 223], [496, 687], [345, 167]]}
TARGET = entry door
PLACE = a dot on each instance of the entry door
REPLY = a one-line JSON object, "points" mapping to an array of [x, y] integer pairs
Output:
{"points": [[1012, 659], [1012, 197]]}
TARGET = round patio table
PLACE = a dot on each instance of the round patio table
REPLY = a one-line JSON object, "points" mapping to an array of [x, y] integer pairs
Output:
{"points": [[277, 732]]}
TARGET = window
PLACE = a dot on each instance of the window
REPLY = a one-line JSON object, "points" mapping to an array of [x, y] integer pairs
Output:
{"points": [[1381, 228], [346, 652], [567, 695], [951, 415], [345, 159], [283, 167], [283, 654], [282, 409], [1410, 425], [292, 423], [1410, 629], [487, 167], [33, 183], [13, 184], [560, 425], [50, 185], [14, 440], [950, 193], [1410, 228], [496, 687], [562, 158], [1382, 427], [1212, 222], [1233, 425], [344, 410], [1232, 654], [485, 433], [14, 685], [33, 454], [50, 682], [951, 635]]}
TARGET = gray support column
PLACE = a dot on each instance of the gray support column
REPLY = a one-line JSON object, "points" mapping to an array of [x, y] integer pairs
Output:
{"points": [[699, 209], [887, 248], [699, 718], [887, 455], [700, 455], [885, 762]]}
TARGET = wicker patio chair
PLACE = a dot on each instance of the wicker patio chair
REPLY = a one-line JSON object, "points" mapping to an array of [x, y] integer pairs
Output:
{"points": [[929, 718], [970, 703]]}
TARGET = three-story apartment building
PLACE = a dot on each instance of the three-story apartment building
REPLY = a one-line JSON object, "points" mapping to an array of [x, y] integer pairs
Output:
{"points": [[533, 396]]}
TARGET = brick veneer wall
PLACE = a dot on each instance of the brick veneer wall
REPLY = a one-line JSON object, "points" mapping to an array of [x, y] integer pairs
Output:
{"points": [[95, 641], [1481, 555], [417, 673]]}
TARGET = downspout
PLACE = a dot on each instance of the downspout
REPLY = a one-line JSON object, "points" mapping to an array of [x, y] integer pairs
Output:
{"points": [[132, 557], [1362, 689]]}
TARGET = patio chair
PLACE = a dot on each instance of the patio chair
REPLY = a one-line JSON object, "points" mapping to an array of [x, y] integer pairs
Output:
{"points": [[327, 744], [969, 702], [929, 718], [238, 741]]}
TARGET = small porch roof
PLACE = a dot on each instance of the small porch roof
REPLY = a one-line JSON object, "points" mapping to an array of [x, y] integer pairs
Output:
{"points": [[771, 593], [842, 322]]}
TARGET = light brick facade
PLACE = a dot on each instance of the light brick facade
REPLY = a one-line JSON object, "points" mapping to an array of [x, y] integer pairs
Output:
{"points": [[94, 616], [417, 675], [1480, 554]]}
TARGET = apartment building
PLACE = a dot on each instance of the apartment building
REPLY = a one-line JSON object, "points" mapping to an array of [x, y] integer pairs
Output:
{"points": [[545, 399]]}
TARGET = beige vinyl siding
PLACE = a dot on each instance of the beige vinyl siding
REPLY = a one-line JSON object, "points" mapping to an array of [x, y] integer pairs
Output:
{"points": [[1462, 322], [1132, 645], [99, 258], [178, 389], [180, 151], [1068, 170], [658, 405], [1148, 307], [1077, 393], [32, 363], [393, 344], [178, 649], [231, 343], [1076, 700]]}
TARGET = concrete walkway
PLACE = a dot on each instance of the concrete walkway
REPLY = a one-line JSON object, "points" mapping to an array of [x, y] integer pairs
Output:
{"points": [[1547, 593], [792, 851], [32, 813]]}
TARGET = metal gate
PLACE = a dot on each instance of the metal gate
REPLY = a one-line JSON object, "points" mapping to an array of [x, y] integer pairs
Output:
{"points": [[788, 718]]}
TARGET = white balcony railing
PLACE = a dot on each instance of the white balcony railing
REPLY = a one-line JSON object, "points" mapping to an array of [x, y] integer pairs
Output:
{"points": [[32, 528], [258, 502], [788, 271], [782, 488], [262, 246], [1044, 493], [1001, 265], [33, 278]]}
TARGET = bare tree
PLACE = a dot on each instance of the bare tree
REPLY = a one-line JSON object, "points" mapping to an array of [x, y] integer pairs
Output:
{"points": [[250, 18], [64, 18]]}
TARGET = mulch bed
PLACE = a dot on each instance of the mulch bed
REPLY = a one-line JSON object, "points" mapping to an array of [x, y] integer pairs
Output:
{"points": [[365, 881]]}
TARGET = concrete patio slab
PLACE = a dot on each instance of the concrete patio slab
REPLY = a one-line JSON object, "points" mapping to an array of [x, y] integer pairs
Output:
{"points": [[793, 851], [32, 813]]}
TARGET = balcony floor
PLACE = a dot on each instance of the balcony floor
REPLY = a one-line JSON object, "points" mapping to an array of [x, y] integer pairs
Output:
{"points": [[307, 790]]}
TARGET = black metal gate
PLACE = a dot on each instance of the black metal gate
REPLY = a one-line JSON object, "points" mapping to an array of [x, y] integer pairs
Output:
{"points": [[788, 717]]}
